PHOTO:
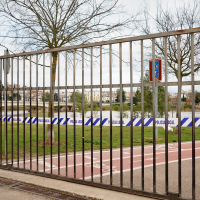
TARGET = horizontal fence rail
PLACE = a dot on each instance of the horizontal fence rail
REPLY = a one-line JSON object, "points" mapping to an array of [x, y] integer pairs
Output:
{"points": [[116, 41], [58, 115]]}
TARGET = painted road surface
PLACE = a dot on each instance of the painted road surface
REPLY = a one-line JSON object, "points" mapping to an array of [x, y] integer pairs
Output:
{"points": [[186, 154]]}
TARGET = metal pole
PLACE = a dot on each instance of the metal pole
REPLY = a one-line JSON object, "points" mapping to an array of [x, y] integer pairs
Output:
{"points": [[193, 120], [83, 116], [131, 116], [142, 114], [91, 76], [101, 143], [121, 129], [74, 110], [1, 111], [166, 124], [111, 135], [5, 99], [179, 115], [154, 119], [24, 124], [156, 106], [44, 152], [66, 133]]}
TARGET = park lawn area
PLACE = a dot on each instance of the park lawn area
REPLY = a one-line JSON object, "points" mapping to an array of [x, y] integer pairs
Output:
{"points": [[148, 138]]}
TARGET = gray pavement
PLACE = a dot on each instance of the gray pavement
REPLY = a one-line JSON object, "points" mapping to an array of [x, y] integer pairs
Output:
{"points": [[186, 180], [8, 193], [86, 192]]}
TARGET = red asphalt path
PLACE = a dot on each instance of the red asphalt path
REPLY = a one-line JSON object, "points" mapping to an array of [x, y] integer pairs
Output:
{"points": [[186, 154]]}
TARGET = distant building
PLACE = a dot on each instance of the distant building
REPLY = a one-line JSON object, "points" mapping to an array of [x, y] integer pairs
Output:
{"points": [[95, 96]]}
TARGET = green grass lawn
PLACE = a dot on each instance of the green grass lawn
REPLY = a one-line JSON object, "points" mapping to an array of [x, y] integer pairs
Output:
{"points": [[148, 138]]}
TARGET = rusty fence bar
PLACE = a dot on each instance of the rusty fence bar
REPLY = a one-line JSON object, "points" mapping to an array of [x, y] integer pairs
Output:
{"points": [[58, 114], [193, 118], [1, 132], [166, 119], [121, 110], [74, 110], [24, 128], [44, 152], [37, 112], [83, 116], [51, 112], [131, 117], [91, 107], [30, 113], [154, 119], [12, 149], [6, 111], [142, 116], [18, 112], [80, 167], [179, 118], [101, 131], [110, 74], [66, 135]]}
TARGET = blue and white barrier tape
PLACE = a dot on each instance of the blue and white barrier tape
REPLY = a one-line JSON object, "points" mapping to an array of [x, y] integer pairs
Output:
{"points": [[173, 122]]}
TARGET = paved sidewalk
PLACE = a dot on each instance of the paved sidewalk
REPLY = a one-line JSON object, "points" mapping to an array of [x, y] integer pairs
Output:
{"points": [[8, 193]]}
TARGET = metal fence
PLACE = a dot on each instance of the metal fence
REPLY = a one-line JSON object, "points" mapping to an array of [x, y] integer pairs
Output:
{"points": [[73, 157]]}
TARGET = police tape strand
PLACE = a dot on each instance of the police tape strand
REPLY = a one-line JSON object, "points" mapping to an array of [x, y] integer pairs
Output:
{"points": [[173, 122]]}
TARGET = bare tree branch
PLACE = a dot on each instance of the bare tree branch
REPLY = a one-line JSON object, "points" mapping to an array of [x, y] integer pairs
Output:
{"points": [[170, 19]]}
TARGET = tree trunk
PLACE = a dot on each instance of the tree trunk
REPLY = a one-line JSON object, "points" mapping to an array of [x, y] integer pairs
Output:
{"points": [[51, 100], [176, 130]]}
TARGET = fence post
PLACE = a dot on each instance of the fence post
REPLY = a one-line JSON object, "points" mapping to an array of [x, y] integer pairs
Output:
{"points": [[6, 70]]}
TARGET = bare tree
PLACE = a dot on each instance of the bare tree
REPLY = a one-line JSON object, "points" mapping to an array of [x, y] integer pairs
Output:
{"points": [[167, 19], [40, 24], [170, 19]]}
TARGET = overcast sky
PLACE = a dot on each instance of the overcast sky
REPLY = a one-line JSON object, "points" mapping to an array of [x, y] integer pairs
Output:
{"points": [[132, 6]]}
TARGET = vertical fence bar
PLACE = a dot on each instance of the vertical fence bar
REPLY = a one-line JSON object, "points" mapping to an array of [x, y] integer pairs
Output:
{"points": [[66, 135], [44, 99], [24, 132], [179, 117], [110, 67], [193, 118], [83, 116], [142, 115], [121, 131], [51, 111], [154, 119], [58, 113], [18, 112], [6, 109], [37, 110], [74, 84], [1, 83], [30, 116], [91, 114], [166, 121], [131, 116], [101, 156], [12, 111]]}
